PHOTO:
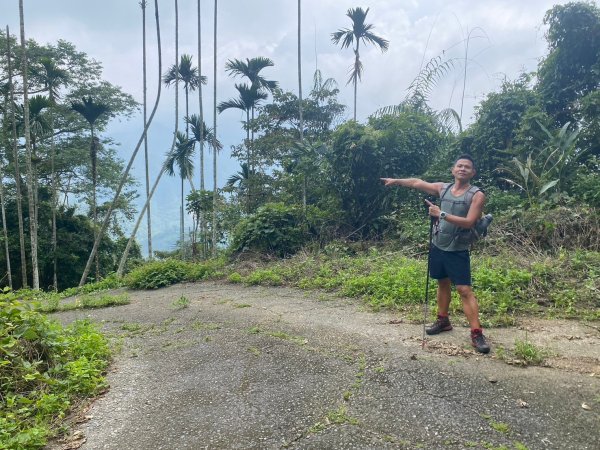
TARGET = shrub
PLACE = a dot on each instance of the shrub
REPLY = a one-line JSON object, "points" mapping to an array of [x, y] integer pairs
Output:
{"points": [[275, 228], [159, 274], [45, 367]]}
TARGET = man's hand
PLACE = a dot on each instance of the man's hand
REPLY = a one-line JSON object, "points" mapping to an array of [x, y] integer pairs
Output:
{"points": [[434, 210], [388, 181]]}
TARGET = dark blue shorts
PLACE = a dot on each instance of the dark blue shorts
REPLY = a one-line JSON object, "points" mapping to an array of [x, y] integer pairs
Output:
{"points": [[453, 265]]}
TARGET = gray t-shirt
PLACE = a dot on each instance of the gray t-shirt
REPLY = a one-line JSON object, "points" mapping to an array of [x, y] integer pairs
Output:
{"points": [[446, 234]]}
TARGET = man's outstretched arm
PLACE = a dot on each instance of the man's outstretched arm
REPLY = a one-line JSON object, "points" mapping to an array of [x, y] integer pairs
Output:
{"points": [[415, 183]]}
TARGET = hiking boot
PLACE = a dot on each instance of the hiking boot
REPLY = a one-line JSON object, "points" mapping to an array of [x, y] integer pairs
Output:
{"points": [[441, 324], [479, 342]]}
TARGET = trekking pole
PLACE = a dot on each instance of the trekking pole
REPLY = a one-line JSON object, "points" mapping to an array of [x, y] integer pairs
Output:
{"points": [[431, 222]]}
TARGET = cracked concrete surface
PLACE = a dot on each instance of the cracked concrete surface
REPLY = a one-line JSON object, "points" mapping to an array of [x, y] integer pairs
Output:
{"points": [[269, 368]]}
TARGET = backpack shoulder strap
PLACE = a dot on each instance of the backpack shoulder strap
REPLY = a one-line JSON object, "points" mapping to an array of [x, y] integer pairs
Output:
{"points": [[471, 193], [445, 188]]}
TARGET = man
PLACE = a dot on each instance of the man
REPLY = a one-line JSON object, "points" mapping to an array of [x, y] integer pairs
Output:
{"points": [[461, 207]]}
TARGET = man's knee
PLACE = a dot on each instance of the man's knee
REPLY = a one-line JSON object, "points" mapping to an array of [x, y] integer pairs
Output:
{"points": [[464, 291]]}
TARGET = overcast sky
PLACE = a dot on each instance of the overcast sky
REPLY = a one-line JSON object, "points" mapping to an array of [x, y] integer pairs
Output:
{"points": [[507, 38]]}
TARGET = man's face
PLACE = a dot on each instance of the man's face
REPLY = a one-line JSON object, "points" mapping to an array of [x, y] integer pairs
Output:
{"points": [[463, 170]]}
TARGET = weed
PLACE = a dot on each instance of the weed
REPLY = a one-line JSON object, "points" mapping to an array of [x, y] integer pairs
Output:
{"points": [[255, 351], [266, 277], [181, 303], [501, 427], [197, 325], [317, 428], [131, 327], [52, 302], [530, 353], [340, 416], [519, 446], [254, 330], [287, 337], [242, 305], [235, 278]]}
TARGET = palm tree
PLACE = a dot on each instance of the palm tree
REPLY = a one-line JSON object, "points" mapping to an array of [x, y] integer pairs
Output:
{"points": [[242, 180], [181, 157], [9, 100], [249, 98], [143, 5], [125, 174], [53, 77], [91, 110], [360, 31], [251, 69], [188, 74], [30, 184], [201, 134]]}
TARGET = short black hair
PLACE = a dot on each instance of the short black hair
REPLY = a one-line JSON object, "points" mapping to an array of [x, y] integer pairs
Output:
{"points": [[465, 156]]}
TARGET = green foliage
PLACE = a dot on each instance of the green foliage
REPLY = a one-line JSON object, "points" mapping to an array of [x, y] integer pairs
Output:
{"points": [[505, 284], [356, 163], [550, 230], [529, 353], [267, 277], [491, 139], [44, 369], [570, 70], [274, 229], [51, 303], [181, 303], [159, 274], [552, 167]]}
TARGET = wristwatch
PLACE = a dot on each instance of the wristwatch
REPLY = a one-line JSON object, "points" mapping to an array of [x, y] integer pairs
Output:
{"points": [[443, 215]]}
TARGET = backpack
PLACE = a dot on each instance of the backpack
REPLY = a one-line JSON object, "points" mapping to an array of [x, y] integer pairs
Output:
{"points": [[479, 231]]}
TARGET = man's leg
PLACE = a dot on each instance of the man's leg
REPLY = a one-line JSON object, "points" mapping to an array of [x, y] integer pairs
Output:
{"points": [[444, 293], [443, 301], [471, 310], [470, 306]]}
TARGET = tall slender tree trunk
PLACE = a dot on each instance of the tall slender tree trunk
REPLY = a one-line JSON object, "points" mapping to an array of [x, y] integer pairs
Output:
{"points": [[181, 225], [125, 255], [30, 181], [4, 230], [248, 163], [94, 160], [108, 216], [201, 116], [19, 193], [143, 4], [181, 236], [54, 194], [300, 96], [356, 62], [214, 146]]}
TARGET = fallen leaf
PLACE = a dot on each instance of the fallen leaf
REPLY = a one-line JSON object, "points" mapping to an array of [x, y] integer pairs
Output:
{"points": [[522, 404], [586, 406]]}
